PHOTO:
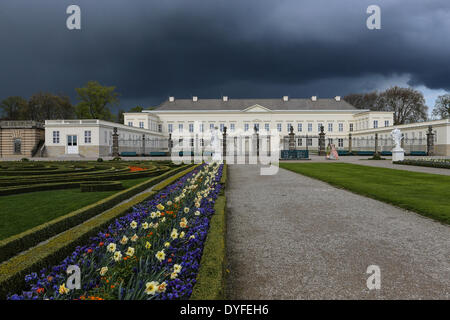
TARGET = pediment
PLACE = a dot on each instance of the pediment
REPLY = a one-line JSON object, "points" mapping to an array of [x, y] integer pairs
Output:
{"points": [[256, 108]]}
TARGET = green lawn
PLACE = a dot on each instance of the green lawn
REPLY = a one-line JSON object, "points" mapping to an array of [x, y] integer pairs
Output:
{"points": [[23, 211], [427, 194]]}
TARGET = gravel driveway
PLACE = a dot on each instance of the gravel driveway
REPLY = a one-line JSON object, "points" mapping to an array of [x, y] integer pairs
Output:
{"points": [[293, 237]]}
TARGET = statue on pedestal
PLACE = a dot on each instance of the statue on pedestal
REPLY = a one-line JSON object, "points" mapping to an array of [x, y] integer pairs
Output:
{"points": [[398, 154], [215, 145]]}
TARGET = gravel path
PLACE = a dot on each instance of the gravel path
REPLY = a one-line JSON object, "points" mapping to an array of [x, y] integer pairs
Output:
{"points": [[292, 237]]}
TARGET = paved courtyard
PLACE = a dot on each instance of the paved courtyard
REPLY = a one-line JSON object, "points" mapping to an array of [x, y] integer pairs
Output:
{"points": [[293, 237]]}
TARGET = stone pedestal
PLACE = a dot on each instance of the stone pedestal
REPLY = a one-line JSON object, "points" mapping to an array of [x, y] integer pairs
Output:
{"points": [[398, 155]]}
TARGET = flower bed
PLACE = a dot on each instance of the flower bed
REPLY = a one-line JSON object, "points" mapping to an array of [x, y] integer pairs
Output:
{"points": [[152, 253], [427, 162]]}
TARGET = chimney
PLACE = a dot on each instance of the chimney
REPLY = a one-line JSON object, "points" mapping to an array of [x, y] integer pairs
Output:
{"points": [[285, 98], [337, 98], [171, 99], [314, 98], [194, 98], [225, 98]]}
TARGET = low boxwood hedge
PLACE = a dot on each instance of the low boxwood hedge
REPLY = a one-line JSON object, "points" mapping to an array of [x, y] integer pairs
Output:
{"points": [[17, 243], [13, 271], [101, 186], [425, 163], [211, 279]]}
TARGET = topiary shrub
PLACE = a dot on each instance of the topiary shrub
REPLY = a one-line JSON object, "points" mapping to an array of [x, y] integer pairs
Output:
{"points": [[100, 160], [24, 159], [117, 159]]}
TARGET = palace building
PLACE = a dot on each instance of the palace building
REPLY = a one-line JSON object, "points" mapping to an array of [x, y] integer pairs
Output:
{"points": [[176, 120]]}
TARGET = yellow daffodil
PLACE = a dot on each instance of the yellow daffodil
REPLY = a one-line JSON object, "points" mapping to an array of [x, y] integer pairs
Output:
{"points": [[160, 207], [134, 238], [148, 245], [124, 240], [63, 289]]}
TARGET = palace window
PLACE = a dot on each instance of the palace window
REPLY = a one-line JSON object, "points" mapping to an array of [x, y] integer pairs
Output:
{"points": [[202, 127], [87, 136], [246, 125], [232, 127], [130, 123], [340, 143], [211, 126], [180, 142], [309, 127], [299, 127], [170, 127], [341, 127], [222, 126], [180, 127], [299, 142], [17, 146], [375, 124], [279, 127], [386, 123], [330, 127], [351, 127], [141, 124], [159, 128], [55, 136], [309, 142], [267, 126], [191, 127]]}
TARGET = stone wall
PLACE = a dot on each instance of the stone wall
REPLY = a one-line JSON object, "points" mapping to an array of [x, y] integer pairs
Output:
{"points": [[29, 137]]}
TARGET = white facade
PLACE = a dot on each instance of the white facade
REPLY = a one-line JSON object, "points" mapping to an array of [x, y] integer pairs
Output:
{"points": [[94, 138]]}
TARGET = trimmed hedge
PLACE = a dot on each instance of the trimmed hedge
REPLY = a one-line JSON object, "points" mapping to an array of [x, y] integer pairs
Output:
{"points": [[211, 279], [22, 241], [13, 271], [425, 163], [101, 186]]}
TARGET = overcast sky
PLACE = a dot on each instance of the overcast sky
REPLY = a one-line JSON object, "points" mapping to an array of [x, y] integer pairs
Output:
{"points": [[150, 49]]}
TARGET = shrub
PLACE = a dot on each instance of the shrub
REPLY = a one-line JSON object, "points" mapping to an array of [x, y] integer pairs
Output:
{"points": [[117, 159], [24, 159], [100, 186], [100, 160]]}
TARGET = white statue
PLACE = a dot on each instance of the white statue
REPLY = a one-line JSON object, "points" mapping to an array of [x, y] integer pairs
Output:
{"points": [[396, 135], [215, 145], [398, 154]]}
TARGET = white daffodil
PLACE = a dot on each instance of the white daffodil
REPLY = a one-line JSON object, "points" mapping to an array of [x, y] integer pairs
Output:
{"points": [[103, 271], [174, 234], [151, 287], [177, 268], [124, 240], [160, 255], [117, 256], [133, 224], [130, 251], [134, 238], [145, 225], [111, 247]]}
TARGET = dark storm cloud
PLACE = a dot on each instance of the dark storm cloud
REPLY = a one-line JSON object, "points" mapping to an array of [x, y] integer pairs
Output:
{"points": [[151, 49]]}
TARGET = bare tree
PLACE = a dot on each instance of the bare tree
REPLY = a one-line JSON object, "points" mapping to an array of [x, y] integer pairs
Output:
{"points": [[407, 104], [364, 100], [442, 107]]}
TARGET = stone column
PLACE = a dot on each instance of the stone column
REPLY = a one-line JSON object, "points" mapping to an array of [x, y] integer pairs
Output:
{"points": [[350, 143], [224, 143], [291, 139], [322, 151], [430, 141], [115, 148], [376, 144]]}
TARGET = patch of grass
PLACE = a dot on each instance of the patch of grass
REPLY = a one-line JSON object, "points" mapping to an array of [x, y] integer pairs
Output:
{"points": [[20, 212], [427, 194]]}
